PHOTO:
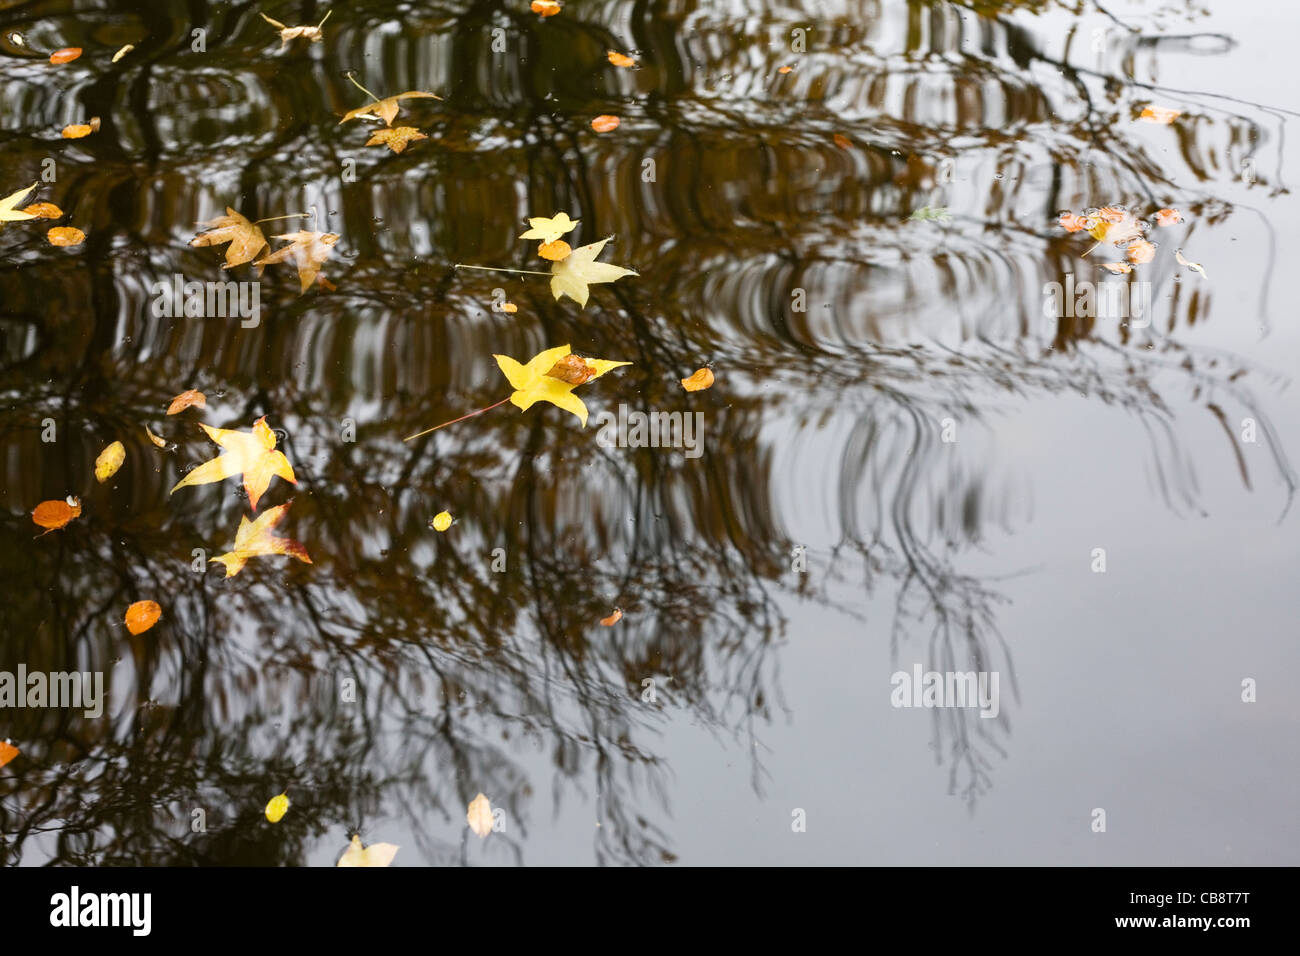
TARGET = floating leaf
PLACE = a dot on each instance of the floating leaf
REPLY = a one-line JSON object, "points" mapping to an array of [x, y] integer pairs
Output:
{"points": [[550, 230], [9, 211], [702, 379], [785, 69], [190, 398], [160, 442], [605, 123], [1168, 217], [250, 453], [441, 521], [479, 816], [142, 615], [396, 138], [7, 752], [245, 238], [388, 107], [288, 34], [65, 236], [277, 807], [577, 271], [308, 250], [44, 210], [554, 251], [573, 370], [1117, 268], [1159, 114], [123, 52], [109, 461], [377, 854], [1072, 223], [52, 515], [619, 59], [80, 130], [66, 55], [544, 8], [532, 383], [1140, 251], [931, 214], [1194, 266], [509, 307], [254, 538], [613, 618]]}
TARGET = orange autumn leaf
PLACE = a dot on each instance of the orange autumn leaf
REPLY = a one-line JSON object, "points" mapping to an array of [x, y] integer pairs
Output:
{"points": [[65, 236], [1111, 214], [251, 453], [7, 752], [619, 59], [605, 123], [396, 138], [843, 142], [44, 210], [142, 615], [1140, 251], [1159, 114], [190, 398], [309, 250], [1168, 217], [554, 251], [785, 69], [52, 515], [1117, 268], [66, 55], [79, 130], [544, 8], [246, 238], [572, 369], [509, 307], [613, 618], [254, 538], [1072, 223], [702, 379]]}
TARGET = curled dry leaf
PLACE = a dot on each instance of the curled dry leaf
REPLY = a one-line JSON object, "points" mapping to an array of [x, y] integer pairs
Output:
{"points": [[277, 807], [554, 251], [1168, 217], [66, 55], [142, 615], [479, 816], [160, 442], [7, 752], [65, 236], [246, 238], [123, 52], [619, 59], [109, 461], [702, 379], [52, 515], [44, 210], [441, 521], [613, 618], [396, 138], [79, 130], [1194, 266], [544, 8], [288, 34], [377, 854], [572, 369], [190, 398], [605, 123]]}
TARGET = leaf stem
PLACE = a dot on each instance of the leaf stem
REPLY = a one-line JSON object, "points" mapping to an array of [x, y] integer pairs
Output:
{"points": [[529, 272], [324, 18], [461, 419], [292, 215], [358, 85]]}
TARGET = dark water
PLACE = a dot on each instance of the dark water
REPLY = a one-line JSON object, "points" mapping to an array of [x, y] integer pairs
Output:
{"points": [[903, 462]]}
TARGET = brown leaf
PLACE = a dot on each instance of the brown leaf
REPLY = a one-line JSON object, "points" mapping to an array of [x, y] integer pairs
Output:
{"points": [[1140, 251], [309, 251], [605, 123], [245, 238], [843, 142], [702, 379], [572, 369], [388, 107], [190, 398], [613, 618], [160, 442], [52, 515], [1117, 268], [554, 251], [66, 55], [65, 236], [544, 8], [395, 138], [142, 615], [44, 210]]}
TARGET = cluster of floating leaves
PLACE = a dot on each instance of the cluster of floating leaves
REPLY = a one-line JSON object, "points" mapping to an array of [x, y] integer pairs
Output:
{"points": [[1122, 230]]}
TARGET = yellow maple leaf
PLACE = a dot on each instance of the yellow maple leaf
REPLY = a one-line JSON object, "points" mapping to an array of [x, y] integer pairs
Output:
{"points": [[396, 138], [8, 206], [388, 107], [250, 453], [548, 230], [534, 383], [245, 238], [572, 275], [309, 251], [377, 854], [254, 538]]}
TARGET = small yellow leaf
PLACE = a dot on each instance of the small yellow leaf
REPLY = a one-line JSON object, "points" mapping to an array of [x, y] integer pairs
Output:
{"points": [[190, 398], [109, 461], [377, 854], [619, 59], [277, 808], [160, 442], [479, 816], [785, 69], [702, 379], [441, 521], [123, 52], [65, 236], [79, 130], [549, 230]]}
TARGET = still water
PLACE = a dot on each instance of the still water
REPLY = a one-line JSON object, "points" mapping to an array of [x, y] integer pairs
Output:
{"points": [[912, 459]]}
